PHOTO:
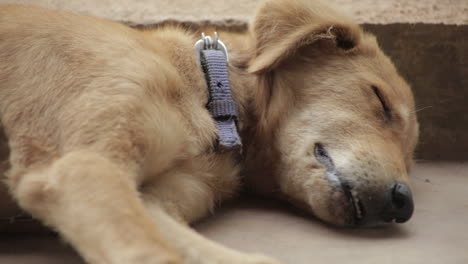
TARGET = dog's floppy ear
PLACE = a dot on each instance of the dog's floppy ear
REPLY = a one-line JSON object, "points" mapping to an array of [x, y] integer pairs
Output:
{"points": [[282, 27]]}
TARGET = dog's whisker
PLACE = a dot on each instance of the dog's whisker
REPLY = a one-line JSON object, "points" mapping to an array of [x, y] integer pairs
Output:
{"points": [[420, 109]]}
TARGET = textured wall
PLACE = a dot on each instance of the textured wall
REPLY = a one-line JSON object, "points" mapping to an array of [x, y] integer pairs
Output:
{"points": [[365, 11], [434, 60]]}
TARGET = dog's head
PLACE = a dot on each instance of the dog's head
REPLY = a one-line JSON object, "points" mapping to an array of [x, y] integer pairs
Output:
{"points": [[336, 126]]}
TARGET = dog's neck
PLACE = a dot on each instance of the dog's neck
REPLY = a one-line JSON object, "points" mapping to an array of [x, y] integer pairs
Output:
{"points": [[259, 155]]}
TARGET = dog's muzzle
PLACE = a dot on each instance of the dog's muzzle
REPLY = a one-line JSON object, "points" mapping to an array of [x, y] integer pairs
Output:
{"points": [[369, 208]]}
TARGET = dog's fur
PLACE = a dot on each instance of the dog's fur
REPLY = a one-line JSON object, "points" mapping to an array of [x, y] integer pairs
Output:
{"points": [[111, 143]]}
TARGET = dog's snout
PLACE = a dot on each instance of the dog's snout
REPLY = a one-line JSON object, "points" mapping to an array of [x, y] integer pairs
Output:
{"points": [[401, 207], [396, 204], [370, 206]]}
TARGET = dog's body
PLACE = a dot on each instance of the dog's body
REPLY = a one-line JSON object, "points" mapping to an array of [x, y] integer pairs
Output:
{"points": [[112, 145]]}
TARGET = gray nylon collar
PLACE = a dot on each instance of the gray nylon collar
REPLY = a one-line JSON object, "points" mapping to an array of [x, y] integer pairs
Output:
{"points": [[223, 108]]}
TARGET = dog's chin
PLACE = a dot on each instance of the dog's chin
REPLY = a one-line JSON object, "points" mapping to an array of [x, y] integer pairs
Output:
{"points": [[336, 209], [328, 202]]}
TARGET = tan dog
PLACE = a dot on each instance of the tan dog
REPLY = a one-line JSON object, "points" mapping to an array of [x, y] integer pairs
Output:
{"points": [[111, 143]]}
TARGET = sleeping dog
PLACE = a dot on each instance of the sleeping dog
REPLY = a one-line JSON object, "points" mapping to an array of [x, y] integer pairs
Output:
{"points": [[113, 146]]}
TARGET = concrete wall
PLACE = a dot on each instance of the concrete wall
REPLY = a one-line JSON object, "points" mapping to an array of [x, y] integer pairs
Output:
{"points": [[434, 60]]}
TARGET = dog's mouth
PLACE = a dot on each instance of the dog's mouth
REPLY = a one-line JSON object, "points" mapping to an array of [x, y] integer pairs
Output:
{"points": [[354, 205]]}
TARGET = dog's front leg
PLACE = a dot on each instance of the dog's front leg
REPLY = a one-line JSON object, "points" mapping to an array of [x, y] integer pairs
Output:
{"points": [[95, 205], [162, 202]]}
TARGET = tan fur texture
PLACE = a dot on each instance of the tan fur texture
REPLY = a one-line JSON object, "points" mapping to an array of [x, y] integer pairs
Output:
{"points": [[112, 146]]}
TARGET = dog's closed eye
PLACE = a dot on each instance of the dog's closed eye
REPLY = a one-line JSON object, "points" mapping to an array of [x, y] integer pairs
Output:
{"points": [[383, 101]]}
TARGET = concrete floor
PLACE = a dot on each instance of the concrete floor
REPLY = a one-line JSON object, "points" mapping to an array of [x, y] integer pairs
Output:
{"points": [[436, 234]]}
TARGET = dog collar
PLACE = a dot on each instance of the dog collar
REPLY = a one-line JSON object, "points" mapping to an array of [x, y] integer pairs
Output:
{"points": [[213, 57]]}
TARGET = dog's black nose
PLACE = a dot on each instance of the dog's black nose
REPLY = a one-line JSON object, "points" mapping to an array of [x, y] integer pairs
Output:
{"points": [[401, 207], [402, 200]]}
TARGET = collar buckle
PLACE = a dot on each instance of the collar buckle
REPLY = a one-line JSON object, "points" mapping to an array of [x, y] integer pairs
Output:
{"points": [[206, 42]]}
